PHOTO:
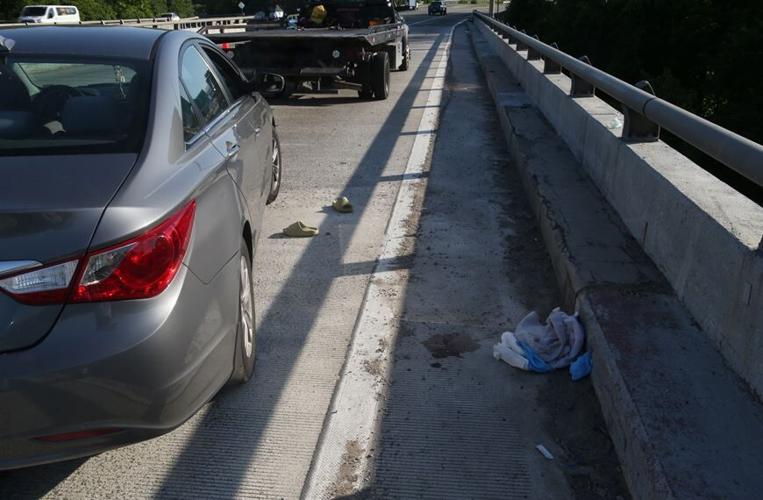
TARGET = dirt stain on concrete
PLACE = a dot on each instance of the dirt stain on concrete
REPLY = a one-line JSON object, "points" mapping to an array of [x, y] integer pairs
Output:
{"points": [[375, 368], [348, 475], [450, 344]]}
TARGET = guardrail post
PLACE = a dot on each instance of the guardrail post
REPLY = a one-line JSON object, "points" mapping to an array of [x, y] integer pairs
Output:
{"points": [[551, 67], [637, 127], [580, 87]]}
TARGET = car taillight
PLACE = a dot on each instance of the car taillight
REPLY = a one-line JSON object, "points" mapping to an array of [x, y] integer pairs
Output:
{"points": [[138, 268]]}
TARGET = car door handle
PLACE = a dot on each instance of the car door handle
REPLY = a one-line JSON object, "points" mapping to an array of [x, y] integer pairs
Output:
{"points": [[232, 149]]}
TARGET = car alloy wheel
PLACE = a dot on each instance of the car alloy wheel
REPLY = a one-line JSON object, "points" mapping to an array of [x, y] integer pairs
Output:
{"points": [[277, 172], [247, 308], [244, 356]]}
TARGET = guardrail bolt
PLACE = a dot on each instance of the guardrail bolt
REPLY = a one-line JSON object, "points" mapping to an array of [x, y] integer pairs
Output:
{"points": [[580, 87], [532, 54], [637, 127], [550, 67]]}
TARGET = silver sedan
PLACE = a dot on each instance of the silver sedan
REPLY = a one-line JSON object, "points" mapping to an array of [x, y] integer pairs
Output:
{"points": [[135, 166]]}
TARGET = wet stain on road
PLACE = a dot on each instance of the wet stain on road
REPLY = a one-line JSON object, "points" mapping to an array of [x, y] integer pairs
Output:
{"points": [[450, 344]]}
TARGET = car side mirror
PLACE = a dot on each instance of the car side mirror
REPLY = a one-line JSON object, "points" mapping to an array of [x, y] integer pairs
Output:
{"points": [[268, 83]]}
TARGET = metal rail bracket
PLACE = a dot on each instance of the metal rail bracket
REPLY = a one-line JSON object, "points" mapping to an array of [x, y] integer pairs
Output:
{"points": [[551, 67], [521, 46], [532, 54], [580, 87], [637, 127]]}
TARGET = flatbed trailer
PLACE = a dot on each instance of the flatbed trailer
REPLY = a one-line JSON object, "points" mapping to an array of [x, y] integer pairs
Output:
{"points": [[325, 59], [317, 60]]}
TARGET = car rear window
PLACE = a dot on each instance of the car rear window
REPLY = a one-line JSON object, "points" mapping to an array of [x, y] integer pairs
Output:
{"points": [[57, 106]]}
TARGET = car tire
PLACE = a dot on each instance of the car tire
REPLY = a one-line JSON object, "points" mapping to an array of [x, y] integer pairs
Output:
{"points": [[366, 93], [380, 75], [243, 362], [406, 57], [277, 173]]}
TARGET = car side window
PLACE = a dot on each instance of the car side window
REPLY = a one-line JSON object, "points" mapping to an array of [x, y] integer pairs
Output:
{"points": [[191, 123], [202, 86], [231, 79]]}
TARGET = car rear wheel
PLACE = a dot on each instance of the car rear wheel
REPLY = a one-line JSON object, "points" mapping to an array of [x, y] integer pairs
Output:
{"points": [[277, 166], [243, 363], [380, 75]]}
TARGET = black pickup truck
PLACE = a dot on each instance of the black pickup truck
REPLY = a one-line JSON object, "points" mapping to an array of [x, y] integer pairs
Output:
{"points": [[354, 47]]}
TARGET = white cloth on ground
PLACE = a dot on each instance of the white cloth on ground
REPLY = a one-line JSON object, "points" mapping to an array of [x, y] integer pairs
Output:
{"points": [[541, 346]]}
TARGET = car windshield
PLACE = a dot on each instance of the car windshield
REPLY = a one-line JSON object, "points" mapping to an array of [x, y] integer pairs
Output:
{"points": [[33, 11], [54, 106]]}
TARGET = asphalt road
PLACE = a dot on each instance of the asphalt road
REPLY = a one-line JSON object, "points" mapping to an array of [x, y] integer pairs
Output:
{"points": [[259, 440]]}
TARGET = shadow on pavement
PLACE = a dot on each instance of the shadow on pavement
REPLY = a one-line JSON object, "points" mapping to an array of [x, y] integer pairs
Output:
{"points": [[213, 436]]}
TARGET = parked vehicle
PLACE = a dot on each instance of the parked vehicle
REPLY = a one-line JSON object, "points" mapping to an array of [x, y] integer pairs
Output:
{"points": [[136, 166], [437, 8], [351, 44], [170, 16], [407, 4], [49, 14]]}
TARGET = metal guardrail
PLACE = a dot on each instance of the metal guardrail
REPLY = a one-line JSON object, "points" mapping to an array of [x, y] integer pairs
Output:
{"points": [[644, 112], [156, 22]]}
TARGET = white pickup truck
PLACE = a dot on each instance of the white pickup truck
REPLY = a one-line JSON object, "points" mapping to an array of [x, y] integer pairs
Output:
{"points": [[50, 14]]}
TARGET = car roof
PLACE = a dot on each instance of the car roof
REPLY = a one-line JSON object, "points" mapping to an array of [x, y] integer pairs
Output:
{"points": [[121, 42]]}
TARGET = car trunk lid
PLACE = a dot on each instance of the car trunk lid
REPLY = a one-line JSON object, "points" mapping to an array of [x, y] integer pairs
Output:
{"points": [[49, 209]]}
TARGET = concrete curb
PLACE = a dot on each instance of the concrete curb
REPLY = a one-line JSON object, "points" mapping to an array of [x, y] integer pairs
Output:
{"points": [[570, 282], [666, 394]]}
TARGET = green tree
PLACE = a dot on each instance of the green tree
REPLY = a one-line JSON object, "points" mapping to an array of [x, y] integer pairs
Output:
{"points": [[10, 9], [95, 10], [184, 8], [159, 6], [131, 9], [703, 55]]}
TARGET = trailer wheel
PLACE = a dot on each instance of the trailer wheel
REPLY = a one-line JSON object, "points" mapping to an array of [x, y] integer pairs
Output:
{"points": [[406, 57], [380, 75]]}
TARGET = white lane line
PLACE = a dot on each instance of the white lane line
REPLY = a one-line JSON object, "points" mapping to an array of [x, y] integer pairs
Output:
{"points": [[422, 22], [343, 462]]}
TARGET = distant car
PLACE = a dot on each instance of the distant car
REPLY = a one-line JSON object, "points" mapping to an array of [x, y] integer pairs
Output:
{"points": [[437, 8], [49, 14], [170, 16], [136, 165]]}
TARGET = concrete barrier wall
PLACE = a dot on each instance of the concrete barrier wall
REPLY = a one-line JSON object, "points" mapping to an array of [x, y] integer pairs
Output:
{"points": [[705, 237]]}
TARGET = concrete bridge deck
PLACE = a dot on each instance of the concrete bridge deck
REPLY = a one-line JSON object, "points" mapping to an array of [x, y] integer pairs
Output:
{"points": [[375, 376]]}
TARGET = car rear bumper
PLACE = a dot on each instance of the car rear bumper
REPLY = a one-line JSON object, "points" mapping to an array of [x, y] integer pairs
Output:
{"points": [[138, 367]]}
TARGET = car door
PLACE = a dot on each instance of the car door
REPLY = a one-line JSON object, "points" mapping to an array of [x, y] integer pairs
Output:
{"points": [[206, 114], [251, 168]]}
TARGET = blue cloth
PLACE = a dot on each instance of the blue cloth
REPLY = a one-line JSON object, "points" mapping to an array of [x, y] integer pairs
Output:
{"points": [[535, 362], [581, 367]]}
